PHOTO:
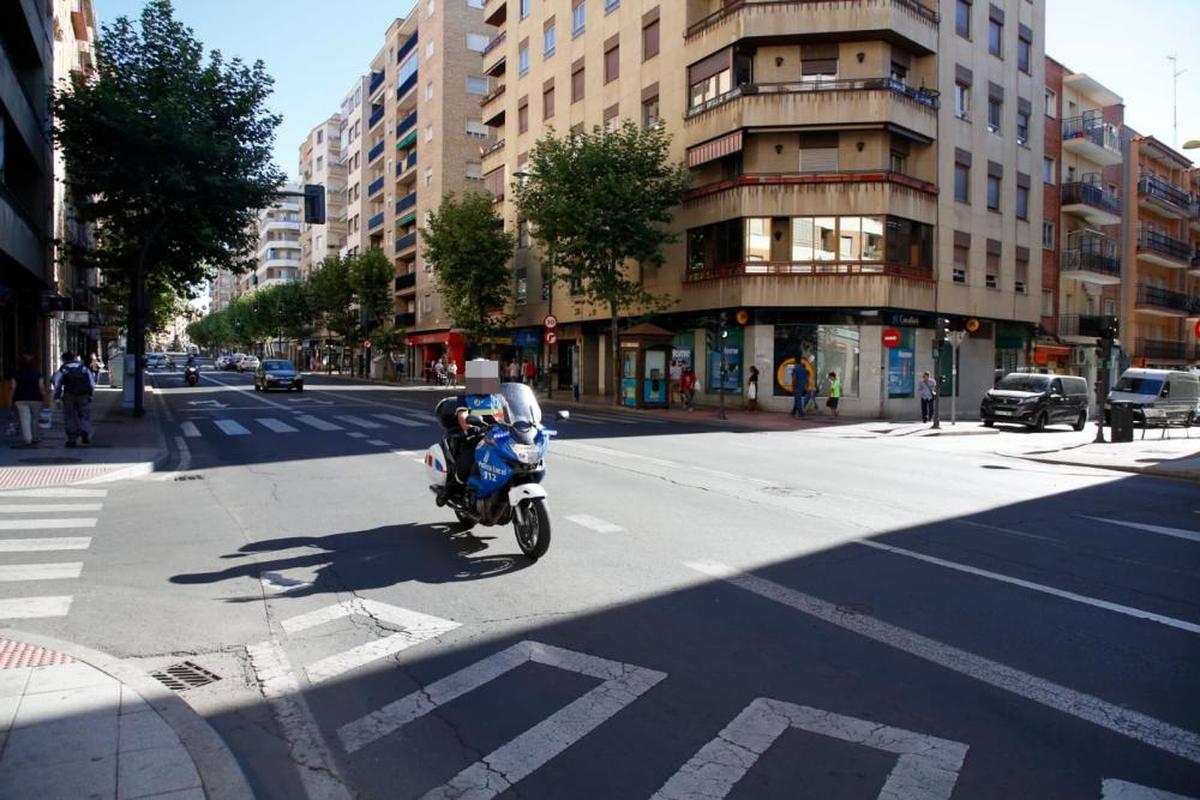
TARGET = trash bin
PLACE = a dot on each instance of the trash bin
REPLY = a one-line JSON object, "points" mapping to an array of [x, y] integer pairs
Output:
{"points": [[1120, 419]]}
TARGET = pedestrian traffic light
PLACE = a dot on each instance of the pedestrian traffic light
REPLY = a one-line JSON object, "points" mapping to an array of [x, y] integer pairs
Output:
{"points": [[941, 326], [314, 204]]}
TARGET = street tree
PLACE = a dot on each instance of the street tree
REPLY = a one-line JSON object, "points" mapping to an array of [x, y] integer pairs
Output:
{"points": [[211, 332], [598, 204], [470, 251], [332, 296], [371, 276], [169, 152]]}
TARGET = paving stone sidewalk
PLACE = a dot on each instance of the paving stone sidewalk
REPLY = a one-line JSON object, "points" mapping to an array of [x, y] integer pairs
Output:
{"points": [[1174, 457]]}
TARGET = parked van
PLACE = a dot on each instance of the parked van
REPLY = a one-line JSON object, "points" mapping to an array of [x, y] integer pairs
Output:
{"points": [[1037, 400], [1173, 391]]}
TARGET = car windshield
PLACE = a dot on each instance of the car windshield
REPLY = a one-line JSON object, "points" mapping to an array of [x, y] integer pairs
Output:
{"points": [[522, 403], [1133, 385], [1024, 383], [281, 366]]}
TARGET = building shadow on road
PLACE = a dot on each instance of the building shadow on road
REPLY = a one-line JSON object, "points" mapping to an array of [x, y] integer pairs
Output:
{"points": [[367, 559]]}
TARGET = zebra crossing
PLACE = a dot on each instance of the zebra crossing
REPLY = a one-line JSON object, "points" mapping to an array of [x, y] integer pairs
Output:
{"points": [[21, 567]]}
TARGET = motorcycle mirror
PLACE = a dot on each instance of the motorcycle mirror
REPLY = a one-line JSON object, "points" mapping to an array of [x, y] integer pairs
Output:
{"points": [[563, 415], [476, 421]]}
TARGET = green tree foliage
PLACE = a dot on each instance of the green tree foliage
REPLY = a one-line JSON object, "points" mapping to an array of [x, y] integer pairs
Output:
{"points": [[598, 201], [371, 276], [169, 151], [211, 332], [469, 249], [332, 296]]}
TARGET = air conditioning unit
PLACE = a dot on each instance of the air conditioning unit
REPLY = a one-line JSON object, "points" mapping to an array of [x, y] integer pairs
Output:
{"points": [[1079, 357]]}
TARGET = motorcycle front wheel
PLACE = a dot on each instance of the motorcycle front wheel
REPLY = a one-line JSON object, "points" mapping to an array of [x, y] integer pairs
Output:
{"points": [[533, 535]]}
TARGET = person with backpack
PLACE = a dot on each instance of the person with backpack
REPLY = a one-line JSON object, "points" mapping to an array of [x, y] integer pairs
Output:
{"points": [[73, 386]]}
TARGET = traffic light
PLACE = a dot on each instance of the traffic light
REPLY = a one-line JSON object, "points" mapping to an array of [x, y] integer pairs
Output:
{"points": [[1111, 328], [314, 204], [941, 326]]}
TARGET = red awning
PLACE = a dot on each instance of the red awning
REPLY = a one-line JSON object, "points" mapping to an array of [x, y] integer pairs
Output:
{"points": [[1044, 353], [443, 337], [717, 148]]}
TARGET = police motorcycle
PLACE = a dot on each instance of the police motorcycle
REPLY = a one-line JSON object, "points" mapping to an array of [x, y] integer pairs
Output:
{"points": [[505, 482], [191, 373]]}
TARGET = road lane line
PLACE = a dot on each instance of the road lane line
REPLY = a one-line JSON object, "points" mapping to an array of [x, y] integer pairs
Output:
{"points": [[594, 523], [231, 427], [408, 423], [35, 607], [631, 420], [379, 442], [40, 572], [357, 435], [278, 426], [1178, 533], [358, 421], [189, 429], [78, 493], [1124, 721], [1128, 611], [1111, 789], [46, 523], [598, 420], [318, 423], [246, 390], [45, 545], [50, 508]]}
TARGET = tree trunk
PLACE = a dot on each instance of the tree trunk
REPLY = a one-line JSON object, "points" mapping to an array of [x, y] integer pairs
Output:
{"points": [[614, 328]]}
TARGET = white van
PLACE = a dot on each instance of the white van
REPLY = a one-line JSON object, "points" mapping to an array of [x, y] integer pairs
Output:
{"points": [[1173, 391]]}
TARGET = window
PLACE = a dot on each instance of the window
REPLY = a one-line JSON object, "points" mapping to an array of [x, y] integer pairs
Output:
{"points": [[1047, 302], [427, 303], [428, 50], [1022, 202], [995, 37], [429, 133], [962, 183], [898, 162], [525, 4], [430, 7], [522, 292], [523, 235], [962, 257], [994, 112], [477, 85], [818, 69], [476, 129], [992, 272], [474, 171], [710, 88], [523, 59], [548, 103], [962, 100], [578, 18], [1051, 104], [611, 6], [993, 192], [1021, 275], [1047, 235], [612, 118], [1023, 48], [612, 63], [548, 37], [577, 85], [1048, 170], [429, 90], [650, 41], [429, 176], [650, 116], [320, 137], [475, 3], [1022, 127], [962, 18], [477, 42], [523, 118]]}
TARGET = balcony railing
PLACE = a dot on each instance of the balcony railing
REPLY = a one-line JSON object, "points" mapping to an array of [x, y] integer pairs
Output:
{"points": [[405, 320], [818, 269], [1094, 129], [1092, 259], [920, 96], [1165, 245], [411, 161], [491, 148], [407, 47], [405, 242], [823, 178], [1164, 349], [375, 221], [376, 82], [375, 152], [1163, 298], [495, 42], [406, 125], [375, 186], [406, 281], [1156, 187], [406, 87], [922, 11], [1081, 325], [1091, 194], [493, 94], [375, 118], [404, 203]]}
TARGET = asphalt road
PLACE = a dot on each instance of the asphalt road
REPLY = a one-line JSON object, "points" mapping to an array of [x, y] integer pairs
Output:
{"points": [[827, 613]]}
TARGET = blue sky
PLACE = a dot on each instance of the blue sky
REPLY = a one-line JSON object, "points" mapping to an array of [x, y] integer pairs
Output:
{"points": [[315, 48]]}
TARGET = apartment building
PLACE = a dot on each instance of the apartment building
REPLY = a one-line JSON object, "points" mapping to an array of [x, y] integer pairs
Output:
{"points": [[26, 181], [222, 290], [278, 244], [857, 166], [321, 164], [350, 139]]}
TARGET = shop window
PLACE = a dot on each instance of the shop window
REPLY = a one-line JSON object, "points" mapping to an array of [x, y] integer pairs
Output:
{"points": [[901, 366]]}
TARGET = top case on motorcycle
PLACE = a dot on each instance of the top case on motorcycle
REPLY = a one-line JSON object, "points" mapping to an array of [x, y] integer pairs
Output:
{"points": [[447, 412]]}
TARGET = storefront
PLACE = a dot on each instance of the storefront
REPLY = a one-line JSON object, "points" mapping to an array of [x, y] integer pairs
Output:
{"points": [[424, 349], [645, 355], [812, 352]]}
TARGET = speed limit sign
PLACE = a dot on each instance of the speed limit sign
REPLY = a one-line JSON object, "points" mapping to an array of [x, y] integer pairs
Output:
{"points": [[551, 322]]}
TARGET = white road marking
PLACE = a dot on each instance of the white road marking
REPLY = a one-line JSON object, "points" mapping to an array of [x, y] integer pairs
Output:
{"points": [[408, 423], [927, 767], [1111, 789], [1124, 721], [1129, 611], [1178, 533], [231, 427], [378, 442], [40, 572], [502, 768], [46, 524], [278, 426], [318, 423], [306, 746], [632, 420], [356, 435], [189, 430], [77, 493], [598, 420], [45, 545], [34, 607], [359, 421], [594, 523], [44, 508], [248, 391]]}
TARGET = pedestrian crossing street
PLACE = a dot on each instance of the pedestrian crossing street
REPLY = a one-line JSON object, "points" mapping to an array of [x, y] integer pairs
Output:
{"points": [[31, 580]]}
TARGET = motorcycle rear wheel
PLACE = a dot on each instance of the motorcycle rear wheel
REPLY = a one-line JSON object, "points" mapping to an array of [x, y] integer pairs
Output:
{"points": [[533, 537], [464, 519]]}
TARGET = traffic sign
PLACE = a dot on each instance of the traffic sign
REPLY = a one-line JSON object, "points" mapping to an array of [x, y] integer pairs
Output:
{"points": [[551, 322], [551, 337], [366, 344], [891, 337]]}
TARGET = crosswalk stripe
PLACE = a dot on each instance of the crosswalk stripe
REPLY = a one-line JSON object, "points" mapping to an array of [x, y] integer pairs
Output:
{"points": [[40, 572], [45, 545], [43, 508], [45, 524], [594, 523], [278, 426], [318, 423], [189, 429], [356, 435], [1178, 533], [360, 422], [408, 423], [34, 607], [55, 493], [231, 428]]}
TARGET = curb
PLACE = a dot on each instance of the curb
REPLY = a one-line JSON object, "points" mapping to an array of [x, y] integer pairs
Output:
{"points": [[162, 456], [220, 773], [1192, 476]]}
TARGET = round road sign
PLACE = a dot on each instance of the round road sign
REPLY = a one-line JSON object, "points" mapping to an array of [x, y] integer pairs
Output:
{"points": [[891, 337], [551, 337], [551, 322], [367, 344]]}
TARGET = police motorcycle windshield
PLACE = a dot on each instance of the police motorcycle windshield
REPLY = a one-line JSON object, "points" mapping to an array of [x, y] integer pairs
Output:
{"points": [[526, 413]]}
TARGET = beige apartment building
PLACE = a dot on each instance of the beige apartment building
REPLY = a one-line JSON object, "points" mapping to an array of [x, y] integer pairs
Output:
{"points": [[857, 166], [321, 164], [350, 139]]}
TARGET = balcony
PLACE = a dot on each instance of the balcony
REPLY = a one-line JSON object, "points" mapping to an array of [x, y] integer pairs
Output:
{"points": [[407, 86], [375, 152], [1158, 248], [376, 82], [407, 242], [405, 320], [376, 117], [754, 269], [375, 187], [375, 221], [493, 56], [407, 47], [496, 41], [1092, 138], [816, 285], [1091, 262], [405, 125], [493, 116], [495, 146], [1091, 202], [908, 22], [406, 202], [406, 281], [865, 101], [1194, 269], [1162, 302], [495, 13], [1156, 194], [1080, 326], [1161, 350]]}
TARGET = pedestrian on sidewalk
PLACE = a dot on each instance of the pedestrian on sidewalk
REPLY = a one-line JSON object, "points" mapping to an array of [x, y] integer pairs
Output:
{"points": [[452, 372], [73, 386], [810, 387], [687, 388], [927, 389], [799, 389], [835, 393], [29, 397], [94, 366], [530, 370], [752, 390]]}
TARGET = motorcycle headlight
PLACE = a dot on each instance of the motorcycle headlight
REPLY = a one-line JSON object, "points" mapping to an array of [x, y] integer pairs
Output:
{"points": [[527, 453]]}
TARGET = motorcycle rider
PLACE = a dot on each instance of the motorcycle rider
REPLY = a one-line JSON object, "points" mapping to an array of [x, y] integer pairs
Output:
{"points": [[482, 399]]}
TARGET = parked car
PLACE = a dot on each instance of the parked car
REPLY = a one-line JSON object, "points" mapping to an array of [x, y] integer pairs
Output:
{"points": [[275, 373], [1173, 391], [220, 361], [1036, 401], [234, 362], [155, 361], [247, 364]]}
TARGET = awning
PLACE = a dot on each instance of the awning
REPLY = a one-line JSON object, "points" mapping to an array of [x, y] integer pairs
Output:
{"points": [[442, 337], [717, 148], [407, 219], [408, 139], [1045, 353]]}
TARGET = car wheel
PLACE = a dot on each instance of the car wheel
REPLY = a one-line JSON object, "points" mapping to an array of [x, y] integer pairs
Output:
{"points": [[987, 423], [300, 388], [1039, 424], [1081, 422]]}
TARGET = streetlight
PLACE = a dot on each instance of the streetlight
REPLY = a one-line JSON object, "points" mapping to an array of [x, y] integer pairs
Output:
{"points": [[1192, 144]]}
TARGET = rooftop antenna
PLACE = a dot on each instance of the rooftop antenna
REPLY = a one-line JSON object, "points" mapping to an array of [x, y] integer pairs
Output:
{"points": [[1175, 73]]}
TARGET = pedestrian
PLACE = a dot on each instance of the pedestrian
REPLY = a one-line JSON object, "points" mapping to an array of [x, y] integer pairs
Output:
{"points": [[530, 371], [687, 387], [835, 393], [94, 366], [810, 387], [513, 371], [799, 389], [452, 372], [29, 397], [752, 390], [927, 390], [73, 387]]}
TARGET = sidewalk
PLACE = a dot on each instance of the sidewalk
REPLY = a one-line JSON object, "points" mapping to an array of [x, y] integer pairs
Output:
{"points": [[1177, 457], [77, 723], [123, 447]]}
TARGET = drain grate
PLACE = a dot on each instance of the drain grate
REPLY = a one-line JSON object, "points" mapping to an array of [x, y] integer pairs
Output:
{"points": [[188, 478], [184, 675]]}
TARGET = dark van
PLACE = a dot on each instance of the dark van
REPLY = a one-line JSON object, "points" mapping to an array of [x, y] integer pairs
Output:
{"points": [[1036, 401]]}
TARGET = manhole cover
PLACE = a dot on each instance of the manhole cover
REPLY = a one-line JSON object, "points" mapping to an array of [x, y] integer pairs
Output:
{"points": [[184, 675], [50, 460]]}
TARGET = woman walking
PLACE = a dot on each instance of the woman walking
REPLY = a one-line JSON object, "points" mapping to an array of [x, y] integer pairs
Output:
{"points": [[29, 397], [752, 390]]}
